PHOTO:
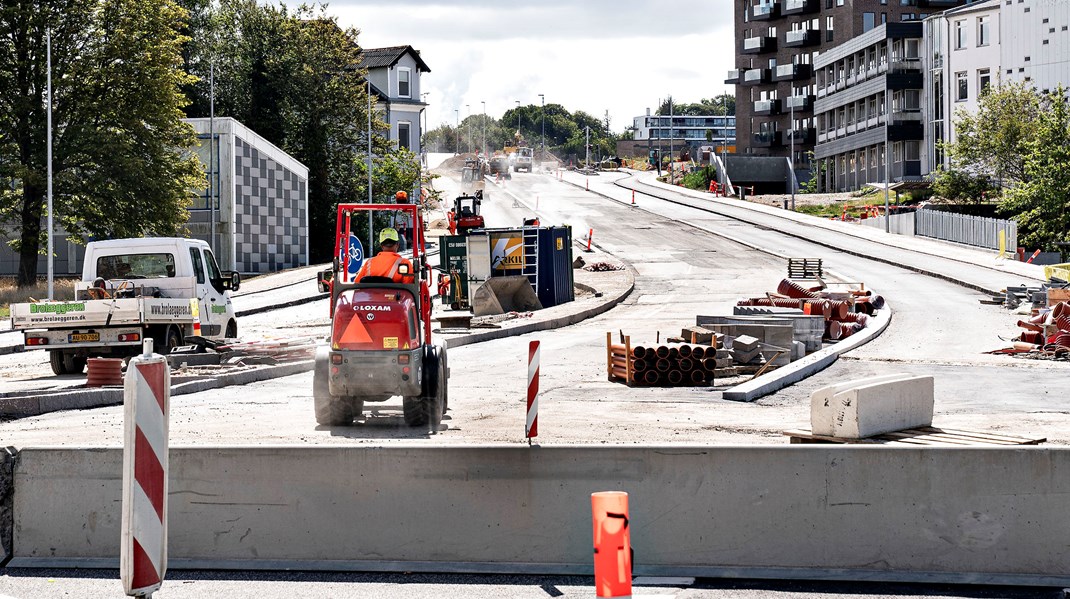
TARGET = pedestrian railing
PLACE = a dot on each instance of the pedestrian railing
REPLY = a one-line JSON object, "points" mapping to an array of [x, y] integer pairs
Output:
{"points": [[947, 226]]}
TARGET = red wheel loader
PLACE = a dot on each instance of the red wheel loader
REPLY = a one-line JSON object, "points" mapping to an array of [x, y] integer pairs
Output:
{"points": [[380, 344]]}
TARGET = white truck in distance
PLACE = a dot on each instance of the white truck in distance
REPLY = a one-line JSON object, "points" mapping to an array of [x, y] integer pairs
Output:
{"points": [[132, 289]]}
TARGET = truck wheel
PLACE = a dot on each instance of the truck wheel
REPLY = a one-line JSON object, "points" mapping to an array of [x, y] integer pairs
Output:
{"points": [[331, 410], [415, 409], [56, 361], [73, 364], [232, 330], [165, 340]]}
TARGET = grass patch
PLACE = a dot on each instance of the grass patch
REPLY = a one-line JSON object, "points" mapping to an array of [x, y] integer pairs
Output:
{"points": [[11, 294]]}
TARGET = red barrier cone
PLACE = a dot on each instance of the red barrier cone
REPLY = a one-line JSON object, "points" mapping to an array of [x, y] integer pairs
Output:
{"points": [[612, 544]]}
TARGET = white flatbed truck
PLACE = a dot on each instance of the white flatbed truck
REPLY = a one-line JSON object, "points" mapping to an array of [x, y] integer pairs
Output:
{"points": [[163, 288]]}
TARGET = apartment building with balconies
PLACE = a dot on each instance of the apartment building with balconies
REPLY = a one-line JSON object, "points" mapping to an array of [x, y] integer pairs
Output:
{"points": [[778, 44], [869, 98]]}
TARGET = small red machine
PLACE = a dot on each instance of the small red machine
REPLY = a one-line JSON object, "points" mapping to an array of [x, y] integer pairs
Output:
{"points": [[380, 343], [465, 215]]}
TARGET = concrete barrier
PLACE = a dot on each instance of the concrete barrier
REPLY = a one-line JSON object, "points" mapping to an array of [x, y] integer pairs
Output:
{"points": [[823, 411], [972, 515], [882, 407]]}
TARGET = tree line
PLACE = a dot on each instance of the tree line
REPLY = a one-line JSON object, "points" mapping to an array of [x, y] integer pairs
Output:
{"points": [[1014, 151], [124, 75]]}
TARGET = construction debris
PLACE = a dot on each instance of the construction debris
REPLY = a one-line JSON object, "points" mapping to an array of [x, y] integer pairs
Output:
{"points": [[845, 312], [1046, 328], [603, 267]]}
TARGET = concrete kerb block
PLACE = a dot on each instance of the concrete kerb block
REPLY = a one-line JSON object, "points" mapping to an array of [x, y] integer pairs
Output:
{"points": [[822, 409], [7, 496], [745, 344], [883, 407], [813, 363]]}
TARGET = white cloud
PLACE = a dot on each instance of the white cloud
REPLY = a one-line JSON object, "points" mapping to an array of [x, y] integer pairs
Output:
{"points": [[621, 56]]}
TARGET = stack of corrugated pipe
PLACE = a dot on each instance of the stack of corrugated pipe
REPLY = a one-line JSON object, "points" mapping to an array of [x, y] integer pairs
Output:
{"points": [[843, 318], [1048, 329], [674, 364]]}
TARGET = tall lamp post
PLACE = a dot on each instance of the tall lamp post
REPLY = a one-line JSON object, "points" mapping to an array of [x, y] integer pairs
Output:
{"points": [[672, 177], [457, 129], [791, 158], [469, 127], [542, 112], [724, 144], [518, 116], [484, 127]]}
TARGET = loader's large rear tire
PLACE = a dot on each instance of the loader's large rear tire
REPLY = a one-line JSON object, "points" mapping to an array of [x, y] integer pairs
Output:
{"points": [[331, 410], [426, 410]]}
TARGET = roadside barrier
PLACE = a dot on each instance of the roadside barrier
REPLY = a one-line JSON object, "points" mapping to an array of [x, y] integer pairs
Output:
{"points": [[612, 544], [531, 427], [146, 398], [590, 236], [1033, 257], [633, 197]]}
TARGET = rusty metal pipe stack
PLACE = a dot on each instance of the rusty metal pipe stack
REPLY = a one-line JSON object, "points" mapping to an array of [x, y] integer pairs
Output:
{"points": [[843, 317]]}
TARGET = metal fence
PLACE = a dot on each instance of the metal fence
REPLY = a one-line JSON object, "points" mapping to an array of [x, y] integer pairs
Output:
{"points": [[962, 228]]}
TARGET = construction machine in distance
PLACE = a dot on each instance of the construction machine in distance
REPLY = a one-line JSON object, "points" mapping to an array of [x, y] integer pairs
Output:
{"points": [[380, 341], [465, 215]]}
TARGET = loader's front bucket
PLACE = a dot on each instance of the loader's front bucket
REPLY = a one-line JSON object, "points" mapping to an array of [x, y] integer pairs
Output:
{"points": [[499, 295]]}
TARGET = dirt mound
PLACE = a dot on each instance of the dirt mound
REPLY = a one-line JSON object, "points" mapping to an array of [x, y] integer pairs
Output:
{"points": [[455, 163]]}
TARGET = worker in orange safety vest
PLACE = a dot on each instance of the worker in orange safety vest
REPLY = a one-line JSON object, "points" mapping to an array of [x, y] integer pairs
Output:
{"points": [[388, 262]]}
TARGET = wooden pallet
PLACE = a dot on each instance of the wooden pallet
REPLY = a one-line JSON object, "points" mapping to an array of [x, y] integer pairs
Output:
{"points": [[920, 436], [805, 268]]}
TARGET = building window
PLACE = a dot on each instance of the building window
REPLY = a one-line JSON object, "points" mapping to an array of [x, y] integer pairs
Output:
{"points": [[961, 89], [404, 140], [960, 35], [829, 26], [983, 31], [869, 21], [403, 83], [984, 79], [913, 150]]}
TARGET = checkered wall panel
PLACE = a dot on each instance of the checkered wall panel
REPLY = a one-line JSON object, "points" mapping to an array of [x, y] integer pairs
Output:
{"points": [[271, 212]]}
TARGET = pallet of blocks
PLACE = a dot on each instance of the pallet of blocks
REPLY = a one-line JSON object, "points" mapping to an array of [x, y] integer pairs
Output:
{"points": [[677, 364]]}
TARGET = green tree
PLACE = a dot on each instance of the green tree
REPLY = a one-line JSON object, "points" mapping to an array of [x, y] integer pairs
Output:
{"points": [[1041, 201], [991, 141], [119, 165], [958, 185]]}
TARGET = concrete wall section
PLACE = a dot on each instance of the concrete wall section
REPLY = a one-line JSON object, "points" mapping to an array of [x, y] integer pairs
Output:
{"points": [[956, 514]]}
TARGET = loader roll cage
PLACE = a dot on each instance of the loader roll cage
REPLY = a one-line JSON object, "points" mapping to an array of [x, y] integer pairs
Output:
{"points": [[341, 279]]}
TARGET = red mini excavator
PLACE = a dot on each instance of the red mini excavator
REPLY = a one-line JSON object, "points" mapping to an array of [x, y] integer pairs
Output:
{"points": [[380, 343]]}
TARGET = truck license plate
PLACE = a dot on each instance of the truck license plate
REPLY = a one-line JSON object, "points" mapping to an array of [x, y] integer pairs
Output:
{"points": [[83, 337]]}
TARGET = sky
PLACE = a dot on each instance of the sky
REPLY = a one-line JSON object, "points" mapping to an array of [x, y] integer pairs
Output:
{"points": [[622, 56]]}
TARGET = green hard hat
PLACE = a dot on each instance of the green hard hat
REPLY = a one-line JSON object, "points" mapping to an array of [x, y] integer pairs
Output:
{"points": [[388, 234]]}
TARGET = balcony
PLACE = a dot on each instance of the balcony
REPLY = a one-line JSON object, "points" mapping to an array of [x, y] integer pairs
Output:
{"points": [[768, 139], [766, 107], [793, 72], [756, 77], [802, 136], [759, 45], [906, 131], [735, 77], [766, 12], [800, 7], [937, 3], [800, 38], [906, 65], [799, 103], [900, 117]]}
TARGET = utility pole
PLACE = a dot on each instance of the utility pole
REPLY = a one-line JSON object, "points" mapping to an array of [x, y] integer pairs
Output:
{"points": [[468, 128], [51, 271], [484, 128], [887, 151], [791, 159], [371, 245], [672, 178], [724, 144], [518, 116], [457, 130], [211, 151], [543, 113], [587, 147]]}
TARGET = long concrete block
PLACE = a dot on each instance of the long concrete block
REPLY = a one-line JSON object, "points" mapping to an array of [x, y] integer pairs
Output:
{"points": [[806, 328], [822, 409], [883, 407], [976, 515]]}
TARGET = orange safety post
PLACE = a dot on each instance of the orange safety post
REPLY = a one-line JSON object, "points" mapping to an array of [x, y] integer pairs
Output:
{"points": [[633, 197], [612, 544], [590, 234]]}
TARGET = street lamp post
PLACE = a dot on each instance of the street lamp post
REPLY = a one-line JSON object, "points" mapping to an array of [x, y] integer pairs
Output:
{"points": [[518, 116], [724, 144], [457, 130], [484, 127], [672, 178], [469, 127]]}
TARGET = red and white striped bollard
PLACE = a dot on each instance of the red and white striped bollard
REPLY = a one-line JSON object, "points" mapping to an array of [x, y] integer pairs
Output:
{"points": [[146, 398], [531, 427]]}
